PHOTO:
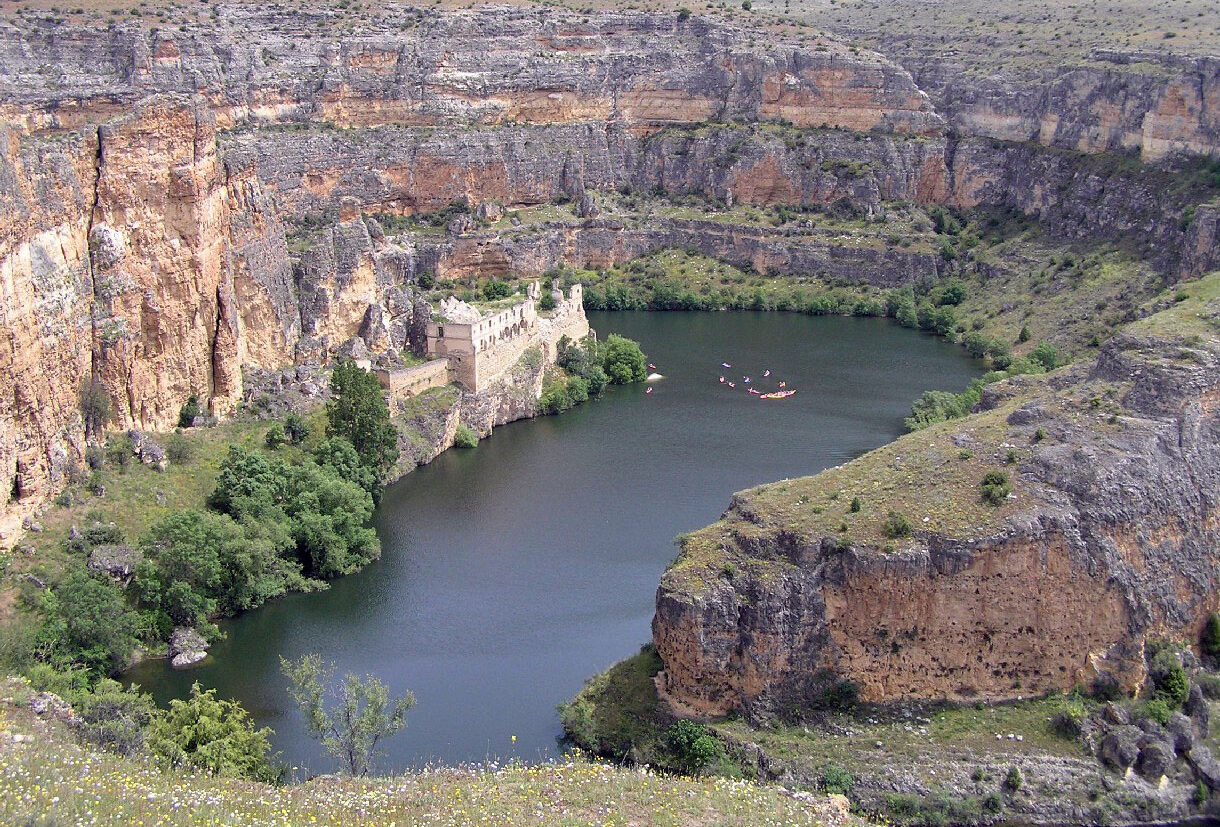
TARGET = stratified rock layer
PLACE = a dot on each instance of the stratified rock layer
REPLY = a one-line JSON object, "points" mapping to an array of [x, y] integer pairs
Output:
{"points": [[1109, 540]]}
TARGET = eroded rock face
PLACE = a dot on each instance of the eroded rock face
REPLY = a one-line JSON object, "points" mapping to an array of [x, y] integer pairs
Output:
{"points": [[1111, 541], [177, 207]]}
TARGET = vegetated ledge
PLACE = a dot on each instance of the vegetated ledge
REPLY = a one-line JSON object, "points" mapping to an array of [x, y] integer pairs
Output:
{"points": [[45, 775], [1108, 539]]}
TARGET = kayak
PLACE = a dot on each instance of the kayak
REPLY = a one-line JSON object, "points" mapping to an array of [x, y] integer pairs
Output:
{"points": [[777, 395]]}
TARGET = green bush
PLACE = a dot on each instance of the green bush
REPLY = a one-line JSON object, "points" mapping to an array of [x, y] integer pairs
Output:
{"points": [[1155, 709], [547, 301], [358, 412], [1169, 677], [295, 428], [554, 398], [214, 735], [1046, 355], [1013, 781], [496, 289], [855, 506], [179, 449], [87, 623], [995, 487], [693, 747], [896, 526], [465, 437], [1209, 641], [276, 438], [190, 410], [837, 780]]}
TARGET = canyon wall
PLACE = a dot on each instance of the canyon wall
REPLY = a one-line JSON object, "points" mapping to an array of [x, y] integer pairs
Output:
{"points": [[1107, 541], [187, 200]]}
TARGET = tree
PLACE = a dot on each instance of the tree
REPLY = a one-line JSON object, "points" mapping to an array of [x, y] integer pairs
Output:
{"points": [[362, 714], [295, 428], [623, 360], [186, 416], [87, 621], [1210, 639], [94, 406], [358, 412], [338, 454], [1046, 355], [218, 736]]}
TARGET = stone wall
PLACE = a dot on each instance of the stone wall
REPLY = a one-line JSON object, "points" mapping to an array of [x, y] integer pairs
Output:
{"points": [[403, 383]]}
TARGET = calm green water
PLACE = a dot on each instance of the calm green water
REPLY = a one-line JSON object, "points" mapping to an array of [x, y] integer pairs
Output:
{"points": [[513, 572]]}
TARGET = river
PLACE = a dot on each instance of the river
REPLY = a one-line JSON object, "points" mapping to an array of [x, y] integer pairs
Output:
{"points": [[512, 572]]}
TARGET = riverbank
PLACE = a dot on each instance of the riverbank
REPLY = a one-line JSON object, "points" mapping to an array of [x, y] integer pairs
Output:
{"points": [[45, 771]]}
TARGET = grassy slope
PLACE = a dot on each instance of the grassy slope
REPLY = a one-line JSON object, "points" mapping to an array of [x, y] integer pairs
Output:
{"points": [[47, 778]]}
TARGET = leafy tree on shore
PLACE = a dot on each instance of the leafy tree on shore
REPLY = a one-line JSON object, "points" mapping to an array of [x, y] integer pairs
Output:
{"points": [[623, 361], [86, 621], [358, 412], [363, 713]]}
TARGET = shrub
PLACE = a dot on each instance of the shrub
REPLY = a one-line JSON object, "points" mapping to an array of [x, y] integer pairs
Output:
{"points": [[119, 451], [496, 289], [358, 412], [95, 457], [1209, 641], [1155, 709], [1024, 335], [1066, 723], [87, 623], [179, 449], [1169, 678], [1046, 355], [684, 13], [361, 715], [896, 525], [1106, 688], [276, 438], [855, 505], [295, 428], [995, 488], [547, 301], [835, 779], [215, 735], [465, 437], [577, 390], [693, 747], [1014, 780], [94, 406], [554, 398], [623, 361], [190, 410]]}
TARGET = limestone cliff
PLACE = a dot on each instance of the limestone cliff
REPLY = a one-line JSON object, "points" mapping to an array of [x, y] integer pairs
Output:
{"points": [[1108, 540], [185, 202]]}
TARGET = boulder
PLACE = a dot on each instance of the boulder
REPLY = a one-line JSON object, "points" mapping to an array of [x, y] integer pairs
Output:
{"points": [[460, 225], [48, 704], [1183, 731], [186, 647], [489, 211], [588, 207], [1155, 759], [118, 560], [1120, 748], [1196, 707], [1115, 715]]}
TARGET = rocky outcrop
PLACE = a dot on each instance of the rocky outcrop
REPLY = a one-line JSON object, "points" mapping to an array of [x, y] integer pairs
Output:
{"points": [[184, 205], [1152, 103], [1108, 541]]}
